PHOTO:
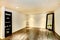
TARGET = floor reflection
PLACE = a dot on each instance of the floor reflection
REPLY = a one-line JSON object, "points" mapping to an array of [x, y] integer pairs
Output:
{"points": [[32, 34]]}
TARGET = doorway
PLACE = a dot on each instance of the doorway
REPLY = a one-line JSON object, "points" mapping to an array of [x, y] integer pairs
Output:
{"points": [[8, 23], [50, 21]]}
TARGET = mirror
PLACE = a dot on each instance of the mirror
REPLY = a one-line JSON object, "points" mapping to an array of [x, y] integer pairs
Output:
{"points": [[50, 21]]}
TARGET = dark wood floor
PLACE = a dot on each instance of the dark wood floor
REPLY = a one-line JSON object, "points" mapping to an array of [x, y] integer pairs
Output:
{"points": [[32, 34]]}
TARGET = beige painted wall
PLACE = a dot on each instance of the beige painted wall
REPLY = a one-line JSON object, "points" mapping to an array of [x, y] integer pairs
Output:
{"points": [[18, 21], [57, 21], [38, 20], [2, 23]]}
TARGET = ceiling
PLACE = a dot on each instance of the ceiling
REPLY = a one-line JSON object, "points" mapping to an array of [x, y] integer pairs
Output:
{"points": [[31, 6]]}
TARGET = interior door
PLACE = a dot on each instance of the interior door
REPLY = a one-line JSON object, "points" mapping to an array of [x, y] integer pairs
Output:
{"points": [[50, 21], [8, 23]]}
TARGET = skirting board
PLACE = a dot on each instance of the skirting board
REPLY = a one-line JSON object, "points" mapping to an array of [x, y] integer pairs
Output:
{"points": [[57, 35]]}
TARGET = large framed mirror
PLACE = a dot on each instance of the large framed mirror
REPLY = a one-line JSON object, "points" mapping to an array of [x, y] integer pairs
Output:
{"points": [[50, 21]]}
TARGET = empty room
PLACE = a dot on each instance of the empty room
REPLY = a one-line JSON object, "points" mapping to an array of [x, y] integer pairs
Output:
{"points": [[29, 19]]}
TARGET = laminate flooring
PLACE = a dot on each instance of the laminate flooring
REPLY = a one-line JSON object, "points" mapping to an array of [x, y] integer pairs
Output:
{"points": [[32, 34]]}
